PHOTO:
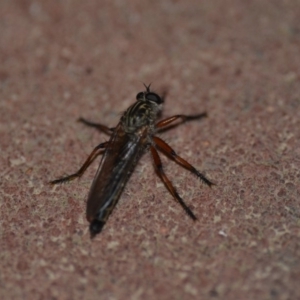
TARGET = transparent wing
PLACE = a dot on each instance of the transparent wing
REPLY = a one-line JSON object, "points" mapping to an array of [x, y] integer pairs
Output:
{"points": [[119, 159]]}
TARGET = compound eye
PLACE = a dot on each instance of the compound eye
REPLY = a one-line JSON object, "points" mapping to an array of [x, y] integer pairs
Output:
{"points": [[140, 96], [154, 98]]}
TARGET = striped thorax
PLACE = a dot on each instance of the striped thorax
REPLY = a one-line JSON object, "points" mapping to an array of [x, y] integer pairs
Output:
{"points": [[142, 113]]}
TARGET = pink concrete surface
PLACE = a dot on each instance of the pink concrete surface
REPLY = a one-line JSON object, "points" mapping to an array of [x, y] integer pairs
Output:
{"points": [[237, 60]]}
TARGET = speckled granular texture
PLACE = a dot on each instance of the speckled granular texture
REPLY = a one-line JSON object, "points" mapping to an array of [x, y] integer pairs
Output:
{"points": [[237, 60]]}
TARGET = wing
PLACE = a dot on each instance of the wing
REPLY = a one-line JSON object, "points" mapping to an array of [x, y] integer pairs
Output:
{"points": [[120, 157]]}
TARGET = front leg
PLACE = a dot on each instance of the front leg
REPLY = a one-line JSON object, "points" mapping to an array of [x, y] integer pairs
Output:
{"points": [[100, 127], [184, 118]]}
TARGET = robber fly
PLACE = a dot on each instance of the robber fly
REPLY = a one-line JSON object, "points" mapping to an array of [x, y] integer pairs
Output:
{"points": [[135, 133]]}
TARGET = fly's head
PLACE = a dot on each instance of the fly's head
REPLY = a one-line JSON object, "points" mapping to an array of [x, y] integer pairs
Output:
{"points": [[144, 111], [149, 97], [149, 101]]}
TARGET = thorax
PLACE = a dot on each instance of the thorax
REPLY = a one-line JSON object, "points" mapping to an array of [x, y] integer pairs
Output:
{"points": [[139, 115]]}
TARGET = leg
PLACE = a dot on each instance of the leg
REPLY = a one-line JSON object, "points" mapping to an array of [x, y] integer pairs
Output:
{"points": [[167, 182], [100, 127], [162, 145], [183, 118], [87, 163]]}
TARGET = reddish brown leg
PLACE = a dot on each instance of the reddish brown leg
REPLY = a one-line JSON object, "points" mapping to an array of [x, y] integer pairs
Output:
{"points": [[183, 118], [100, 127], [164, 147], [167, 182], [87, 163]]}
